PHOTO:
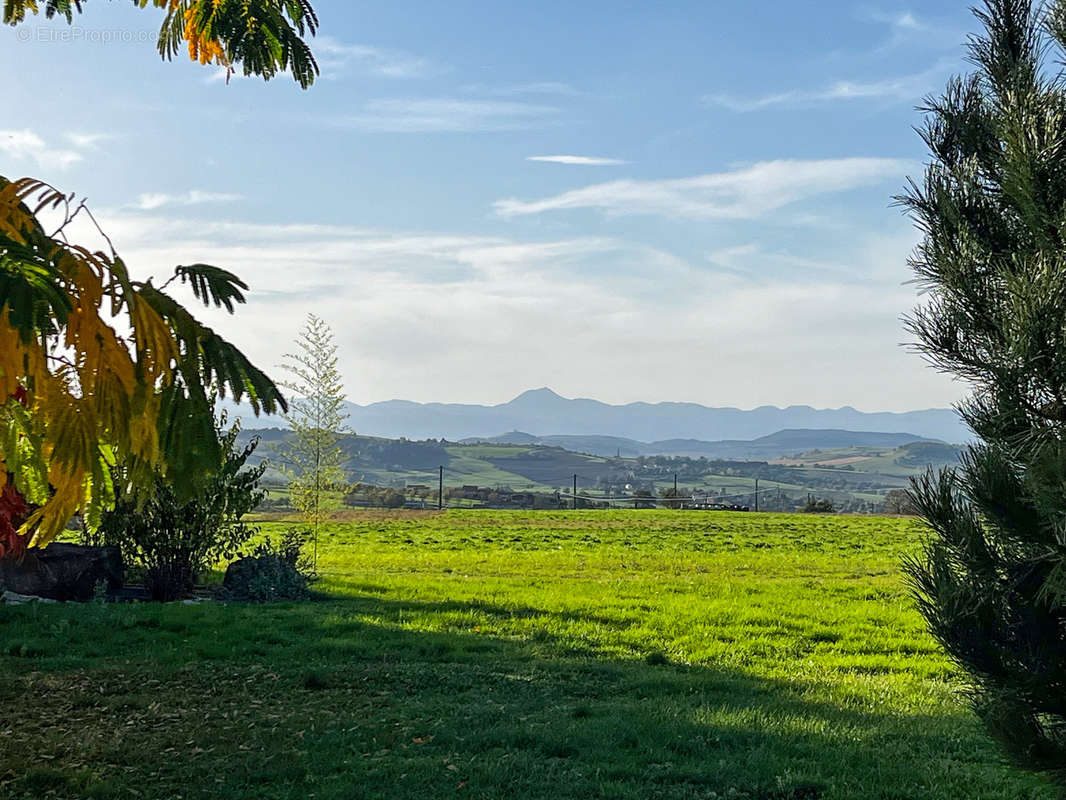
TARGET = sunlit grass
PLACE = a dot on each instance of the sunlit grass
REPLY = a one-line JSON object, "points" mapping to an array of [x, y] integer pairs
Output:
{"points": [[490, 654]]}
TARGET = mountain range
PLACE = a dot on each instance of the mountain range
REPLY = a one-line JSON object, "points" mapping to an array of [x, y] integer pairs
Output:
{"points": [[543, 413]]}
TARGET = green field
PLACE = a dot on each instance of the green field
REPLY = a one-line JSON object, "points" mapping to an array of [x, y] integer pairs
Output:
{"points": [[510, 654], [854, 478]]}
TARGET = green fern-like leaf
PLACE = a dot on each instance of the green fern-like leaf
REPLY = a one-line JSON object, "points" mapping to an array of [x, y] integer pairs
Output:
{"points": [[213, 285]]}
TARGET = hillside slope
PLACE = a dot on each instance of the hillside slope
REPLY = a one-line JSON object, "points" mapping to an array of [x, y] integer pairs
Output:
{"points": [[775, 445], [855, 478]]}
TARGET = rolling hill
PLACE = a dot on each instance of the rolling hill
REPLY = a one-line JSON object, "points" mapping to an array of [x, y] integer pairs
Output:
{"points": [[775, 445], [855, 476]]}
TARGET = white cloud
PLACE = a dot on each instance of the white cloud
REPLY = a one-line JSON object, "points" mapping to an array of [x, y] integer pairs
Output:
{"points": [[150, 201], [903, 88], [224, 75], [905, 20], [590, 161], [335, 56], [439, 316], [26, 145], [87, 141], [906, 29], [445, 115], [745, 193], [908, 21]]}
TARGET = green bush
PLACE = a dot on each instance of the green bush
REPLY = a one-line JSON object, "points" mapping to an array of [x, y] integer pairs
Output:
{"points": [[272, 572], [817, 505], [173, 540]]}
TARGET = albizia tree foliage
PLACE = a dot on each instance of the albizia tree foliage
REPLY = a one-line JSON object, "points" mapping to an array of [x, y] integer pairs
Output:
{"points": [[96, 367], [260, 37]]}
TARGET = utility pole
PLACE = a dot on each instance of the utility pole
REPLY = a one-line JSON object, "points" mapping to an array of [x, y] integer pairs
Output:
{"points": [[575, 491], [675, 484], [440, 490], [756, 494]]}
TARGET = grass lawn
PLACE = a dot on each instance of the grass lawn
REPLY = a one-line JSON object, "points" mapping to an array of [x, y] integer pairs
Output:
{"points": [[514, 654]]}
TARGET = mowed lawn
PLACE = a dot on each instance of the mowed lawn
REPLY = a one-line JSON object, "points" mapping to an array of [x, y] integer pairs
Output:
{"points": [[514, 655]]}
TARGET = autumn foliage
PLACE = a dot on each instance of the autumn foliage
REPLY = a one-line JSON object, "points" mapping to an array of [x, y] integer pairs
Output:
{"points": [[13, 510], [99, 368], [83, 397]]}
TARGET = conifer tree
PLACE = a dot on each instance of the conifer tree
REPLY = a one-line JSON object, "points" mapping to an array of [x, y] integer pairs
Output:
{"points": [[314, 458], [991, 581]]}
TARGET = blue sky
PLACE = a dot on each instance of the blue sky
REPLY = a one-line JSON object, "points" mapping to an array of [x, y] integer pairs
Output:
{"points": [[655, 201]]}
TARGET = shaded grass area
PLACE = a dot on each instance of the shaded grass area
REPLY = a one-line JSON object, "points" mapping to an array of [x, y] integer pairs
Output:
{"points": [[532, 655]]}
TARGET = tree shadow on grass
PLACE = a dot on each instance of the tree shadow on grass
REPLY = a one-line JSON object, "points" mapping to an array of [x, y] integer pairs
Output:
{"points": [[341, 699], [374, 602], [660, 722]]}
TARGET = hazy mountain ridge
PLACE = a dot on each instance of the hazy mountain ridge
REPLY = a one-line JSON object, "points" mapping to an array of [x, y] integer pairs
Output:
{"points": [[776, 445], [542, 412]]}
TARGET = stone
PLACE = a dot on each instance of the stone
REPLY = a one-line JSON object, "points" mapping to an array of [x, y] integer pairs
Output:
{"points": [[15, 599], [63, 572], [239, 573], [264, 579]]}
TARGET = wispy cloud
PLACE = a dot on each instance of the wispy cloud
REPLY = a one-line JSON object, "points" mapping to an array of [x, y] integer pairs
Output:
{"points": [[224, 75], [336, 57], [88, 141], [898, 20], [445, 115], [150, 201], [557, 88], [908, 29], [903, 88], [26, 145], [587, 161], [745, 193], [754, 260], [609, 303]]}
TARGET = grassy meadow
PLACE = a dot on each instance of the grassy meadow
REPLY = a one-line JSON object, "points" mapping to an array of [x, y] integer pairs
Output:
{"points": [[630, 654]]}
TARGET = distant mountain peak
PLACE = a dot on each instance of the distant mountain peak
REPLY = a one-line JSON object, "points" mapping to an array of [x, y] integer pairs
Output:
{"points": [[541, 395], [543, 391]]}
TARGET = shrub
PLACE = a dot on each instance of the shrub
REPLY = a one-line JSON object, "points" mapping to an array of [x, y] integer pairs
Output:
{"points": [[898, 501], [173, 540], [273, 571], [394, 499], [817, 505]]}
